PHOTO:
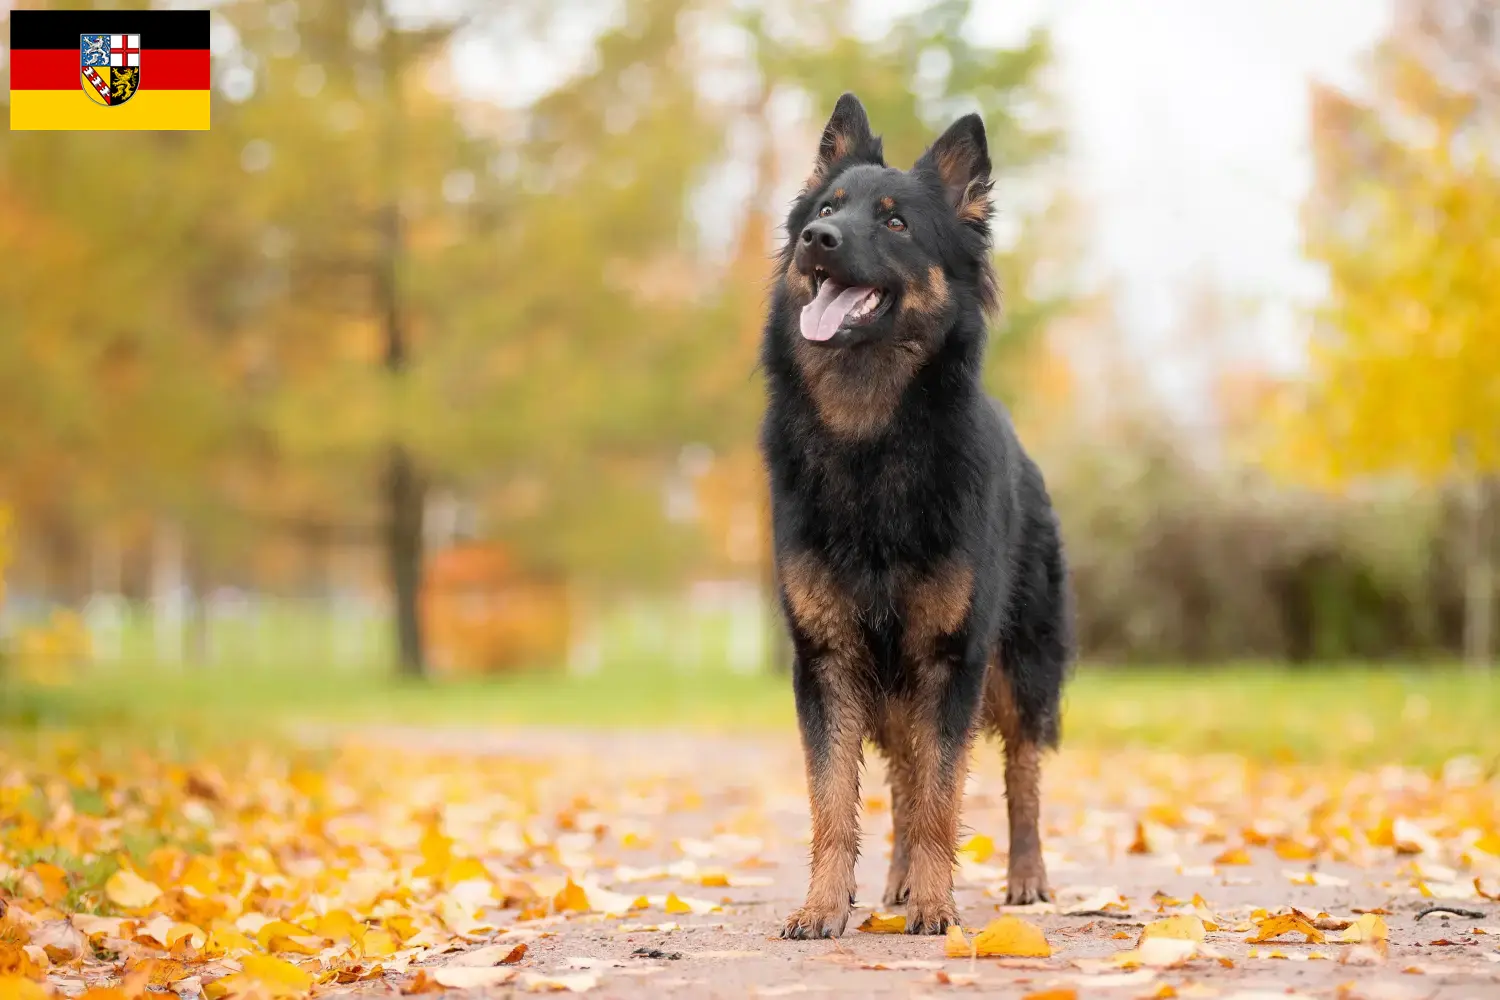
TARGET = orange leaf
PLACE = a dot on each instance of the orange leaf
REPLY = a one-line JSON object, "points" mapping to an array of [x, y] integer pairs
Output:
{"points": [[1234, 856], [955, 945], [1295, 922], [572, 898]]}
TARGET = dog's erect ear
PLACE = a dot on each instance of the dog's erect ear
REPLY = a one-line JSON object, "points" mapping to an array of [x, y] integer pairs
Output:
{"points": [[960, 160], [846, 134]]}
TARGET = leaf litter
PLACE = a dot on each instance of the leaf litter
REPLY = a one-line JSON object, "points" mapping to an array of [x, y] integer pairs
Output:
{"points": [[280, 872]]}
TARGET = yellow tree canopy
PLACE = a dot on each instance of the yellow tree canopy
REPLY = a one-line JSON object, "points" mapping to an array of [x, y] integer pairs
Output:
{"points": [[1405, 215]]}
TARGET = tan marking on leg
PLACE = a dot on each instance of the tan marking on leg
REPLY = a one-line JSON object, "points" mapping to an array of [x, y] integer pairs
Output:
{"points": [[822, 610], [1027, 878], [932, 821], [894, 738]]}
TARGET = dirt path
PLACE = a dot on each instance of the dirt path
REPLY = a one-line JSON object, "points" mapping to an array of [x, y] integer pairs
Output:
{"points": [[631, 815]]}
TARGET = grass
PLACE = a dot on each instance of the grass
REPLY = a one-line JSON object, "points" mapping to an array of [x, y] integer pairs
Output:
{"points": [[1361, 715]]}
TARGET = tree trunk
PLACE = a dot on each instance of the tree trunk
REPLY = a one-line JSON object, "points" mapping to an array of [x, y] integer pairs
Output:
{"points": [[404, 504], [1479, 578], [404, 489]]}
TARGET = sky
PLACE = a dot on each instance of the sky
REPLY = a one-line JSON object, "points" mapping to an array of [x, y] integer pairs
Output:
{"points": [[1189, 143]]}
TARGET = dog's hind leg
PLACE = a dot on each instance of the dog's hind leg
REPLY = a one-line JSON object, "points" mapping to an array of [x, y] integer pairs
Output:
{"points": [[1026, 878], [894, 739]]}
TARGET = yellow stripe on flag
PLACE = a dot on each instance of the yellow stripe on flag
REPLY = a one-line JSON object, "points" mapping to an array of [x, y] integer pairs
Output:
{"points": [[72, 110]]}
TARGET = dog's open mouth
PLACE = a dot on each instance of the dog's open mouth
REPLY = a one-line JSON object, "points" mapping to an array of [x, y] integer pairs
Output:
{"points": [[837, 307]]}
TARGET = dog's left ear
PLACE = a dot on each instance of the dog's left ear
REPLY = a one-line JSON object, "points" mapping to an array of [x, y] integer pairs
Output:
{"points": [[960, 160], [846, 135]]}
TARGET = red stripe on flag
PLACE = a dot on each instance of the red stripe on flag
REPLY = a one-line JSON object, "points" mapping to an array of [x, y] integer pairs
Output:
{"points": [[59, 69]]}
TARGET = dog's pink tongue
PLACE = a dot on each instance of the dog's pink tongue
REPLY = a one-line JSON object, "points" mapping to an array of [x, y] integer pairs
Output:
{"points": [[822, 317]]}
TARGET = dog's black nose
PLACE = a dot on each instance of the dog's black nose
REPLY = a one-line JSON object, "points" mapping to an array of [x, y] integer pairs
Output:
{"points": [[822, 234]]}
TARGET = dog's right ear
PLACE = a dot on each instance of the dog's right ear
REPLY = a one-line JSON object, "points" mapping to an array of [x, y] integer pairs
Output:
{"points": [[846, 136]]}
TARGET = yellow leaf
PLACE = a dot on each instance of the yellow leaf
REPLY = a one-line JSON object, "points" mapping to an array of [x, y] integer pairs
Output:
{"points": [[21, 988], [1291, 850], [1286, 923], [1011, 937], [278, 977], [1184, 927], [379, 943], [979, 847], [1234, 856], [1368, 928], [1489, 843], [437, 852], [1139, 844], [571, 898], [279, 935], [14, 961], [676, 905], [956, 945], [336, 924], [877, 924], [714, 880], [1061, 994], [129, 891]]}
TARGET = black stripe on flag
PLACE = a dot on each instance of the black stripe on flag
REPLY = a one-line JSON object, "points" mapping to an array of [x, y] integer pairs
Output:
{"points": [[59, 29]]}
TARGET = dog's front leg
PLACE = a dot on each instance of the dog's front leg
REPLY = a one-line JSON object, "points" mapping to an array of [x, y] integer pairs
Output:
{"points": [[832, 714], [942, 728], [947, 667]]}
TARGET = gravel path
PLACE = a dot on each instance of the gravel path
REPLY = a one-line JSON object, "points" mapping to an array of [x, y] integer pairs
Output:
{"points": [[650, 814]]}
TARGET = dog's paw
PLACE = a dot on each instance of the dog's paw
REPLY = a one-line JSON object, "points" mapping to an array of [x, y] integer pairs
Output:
{"points": [[895, 894], [812, 922], [1026, 885], [930, 916]]}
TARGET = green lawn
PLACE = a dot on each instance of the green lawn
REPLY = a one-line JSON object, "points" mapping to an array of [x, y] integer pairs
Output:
{"points": [[1351, 714]]}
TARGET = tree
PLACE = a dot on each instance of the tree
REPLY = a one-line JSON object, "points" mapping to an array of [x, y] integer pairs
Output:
{"points": [[1404, 371]]}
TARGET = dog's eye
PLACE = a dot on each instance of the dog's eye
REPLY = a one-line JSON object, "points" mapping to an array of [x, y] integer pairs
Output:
{"points": [[825, 211], [895, 224]]}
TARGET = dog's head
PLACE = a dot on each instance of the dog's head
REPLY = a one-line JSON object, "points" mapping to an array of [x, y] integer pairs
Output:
{"points": [[877, 254]]}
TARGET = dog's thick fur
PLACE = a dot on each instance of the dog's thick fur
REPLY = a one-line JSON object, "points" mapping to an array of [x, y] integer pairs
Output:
{"points": [[918, 557]]}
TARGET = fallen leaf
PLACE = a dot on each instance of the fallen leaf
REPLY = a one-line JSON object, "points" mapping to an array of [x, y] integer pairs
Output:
{"points": [[468, 977], [571, 899], [979, 847], [955, 945], [1234, 856], [580, 982], [875, 923], [129, 891], [1013, 937], [1062, 994], [276, 976], [956, 978], [1158, 953], [1368, 928], [674, 904], [1295, 922], [1186, 927]]}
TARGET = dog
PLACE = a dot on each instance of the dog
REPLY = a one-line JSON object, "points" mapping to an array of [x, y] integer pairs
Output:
{"points": [[919, 563]]}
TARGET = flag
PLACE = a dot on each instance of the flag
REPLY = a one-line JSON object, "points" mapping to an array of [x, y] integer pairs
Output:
{"points": [[109, 69]]}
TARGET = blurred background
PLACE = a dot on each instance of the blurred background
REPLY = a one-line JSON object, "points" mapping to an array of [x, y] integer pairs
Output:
{"points": [[435, 356]]}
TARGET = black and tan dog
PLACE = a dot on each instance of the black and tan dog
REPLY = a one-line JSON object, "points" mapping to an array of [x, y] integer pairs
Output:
{"points": [[918, 556]]}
